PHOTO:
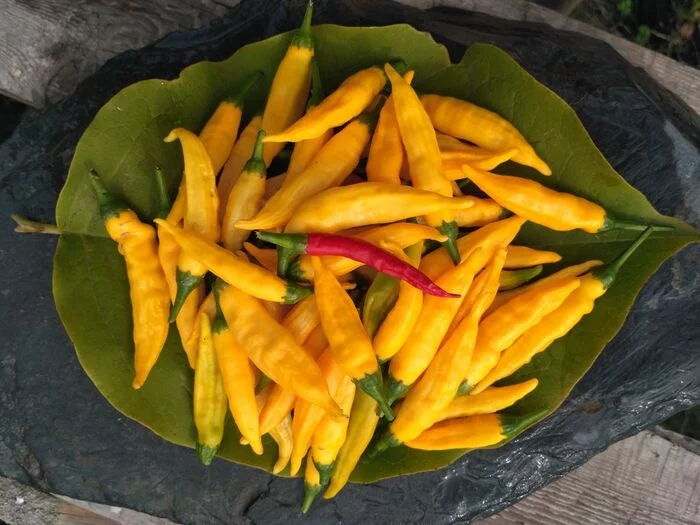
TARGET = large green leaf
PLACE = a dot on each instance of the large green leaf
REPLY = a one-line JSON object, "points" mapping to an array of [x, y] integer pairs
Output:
{"points": [[124, 143]]}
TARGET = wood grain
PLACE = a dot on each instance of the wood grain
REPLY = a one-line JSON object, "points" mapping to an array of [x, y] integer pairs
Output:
{"points": [[645, 479], [48, 46]]}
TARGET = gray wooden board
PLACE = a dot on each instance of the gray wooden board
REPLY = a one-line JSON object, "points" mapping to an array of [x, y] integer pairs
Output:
{"points": [[60, 435]]}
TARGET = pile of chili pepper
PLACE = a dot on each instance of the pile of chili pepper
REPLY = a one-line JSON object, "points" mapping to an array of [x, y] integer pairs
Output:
{"points": [[369, 301]]}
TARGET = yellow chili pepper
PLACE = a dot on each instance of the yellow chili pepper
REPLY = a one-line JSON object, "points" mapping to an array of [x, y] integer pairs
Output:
{"points": [[524, 257], [435, 317], [270, 347], [503, 326], [177, 211], [438, 386], [250, 278], [489, 238], [282, 434], [245, 199], [201, 214], [188, 321], [484, 211], [364, 418], [312, 484], [423, 154], [148, 289], [307, 416], [240, 154], [347, 338], [238, 379], [491, 400], [367, 203], [281, 400], [454, 153], [331, 166], [569, 271], [484, 128], [401, 234], [290, 87], [304, 151], [386, 150], [560, 321], [351, 98], [473, 431], [209, 397], [399, 322]]}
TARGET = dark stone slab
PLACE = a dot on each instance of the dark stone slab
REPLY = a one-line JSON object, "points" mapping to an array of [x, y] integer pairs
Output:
{"points": [[59, 434]]}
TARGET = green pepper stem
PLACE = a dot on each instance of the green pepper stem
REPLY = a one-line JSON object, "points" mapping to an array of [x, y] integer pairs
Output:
{"points": [[289, 245], [302, 37], [256, 164], [613, 223], [25, 225], [607, 274], [186, 283], [394, 389], [109, 206], [238, 98], [317, 93], [387, 441], [310, 493], [164, 202], [451, 230], [371, 384], [296, 293], [511, 424]]}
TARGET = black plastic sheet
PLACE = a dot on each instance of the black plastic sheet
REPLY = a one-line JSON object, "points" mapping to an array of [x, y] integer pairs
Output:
{"points": [[59, 434]]}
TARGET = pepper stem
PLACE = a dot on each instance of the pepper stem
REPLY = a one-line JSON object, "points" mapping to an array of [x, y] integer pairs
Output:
{"points": [[296, 293], [394, 389], [387, 441], [164, 202], [608, 273], [186, 283], [25, 225], [451, 230], [289, 246], [238, 98], [613, 223], [371, 385], [109, 206], [302, 36], [511, 425], [256, 164], [310, 493]]}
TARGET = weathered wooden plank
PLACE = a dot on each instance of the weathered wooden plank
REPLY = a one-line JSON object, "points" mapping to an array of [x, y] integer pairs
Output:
{"points": [[682, 80], [643, 480], [47, 47]]}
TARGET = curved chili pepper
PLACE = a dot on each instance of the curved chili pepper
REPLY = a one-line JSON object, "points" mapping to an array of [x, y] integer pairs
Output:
{"points": [[485, 128], [250, 278], [438, 386], [423, 154], [492, 399], [201, 214], [240, 154], [513, 278], [473, 431], [351, 248], [348, 341], [270, 347], [559, 322], [386, 152], [331, 166], [402, 234], [238, 378], [489, 238], [367, 203], [415, 356], [525, 257], [397, 323], [555, 210], [282, 435], [208, 397], [304, 151], [188, 321], [148, 289], [245, 198], [290, 87], [351, 98]]}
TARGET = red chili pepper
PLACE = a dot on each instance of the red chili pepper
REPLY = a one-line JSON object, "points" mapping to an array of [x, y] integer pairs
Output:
{"points": [[293, 244]]}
